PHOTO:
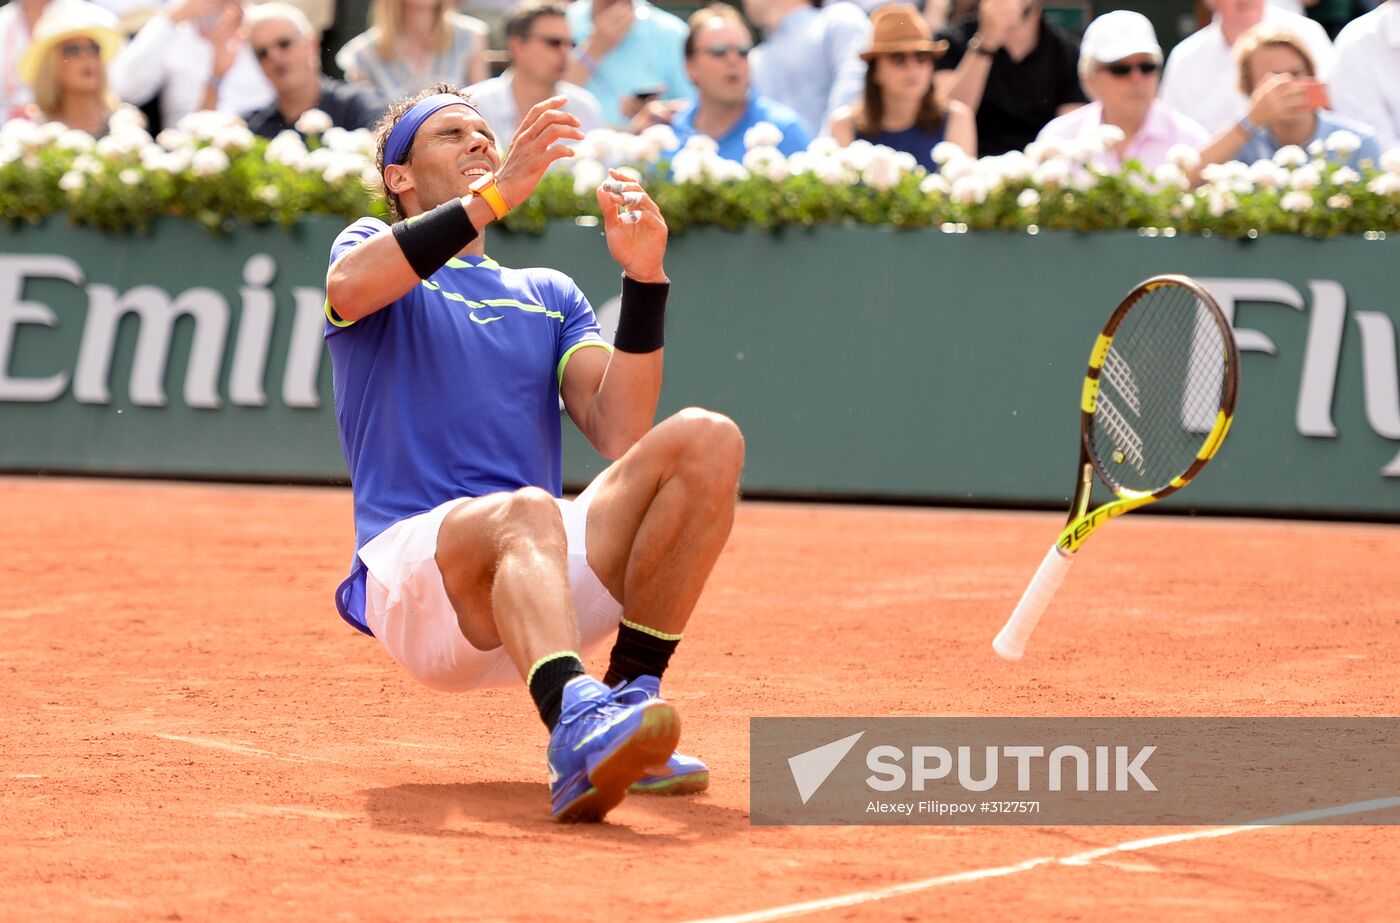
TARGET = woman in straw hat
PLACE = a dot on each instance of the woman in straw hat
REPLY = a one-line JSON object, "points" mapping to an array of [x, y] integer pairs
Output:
{"points": [[898, 108], [66, 65]]}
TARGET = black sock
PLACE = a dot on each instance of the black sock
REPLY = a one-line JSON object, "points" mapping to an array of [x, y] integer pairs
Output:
{"points": [[547, 681], [637, 653]]}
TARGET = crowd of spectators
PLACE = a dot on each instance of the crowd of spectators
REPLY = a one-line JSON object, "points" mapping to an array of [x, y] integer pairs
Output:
{"points": [[989, 76]]}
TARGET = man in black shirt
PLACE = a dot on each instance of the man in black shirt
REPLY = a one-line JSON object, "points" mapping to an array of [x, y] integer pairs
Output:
{"points": [[286, 46], [1014, 69]]}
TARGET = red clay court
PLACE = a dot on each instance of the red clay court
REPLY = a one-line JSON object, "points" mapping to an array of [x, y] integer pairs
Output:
{"points": [[191, 733]]}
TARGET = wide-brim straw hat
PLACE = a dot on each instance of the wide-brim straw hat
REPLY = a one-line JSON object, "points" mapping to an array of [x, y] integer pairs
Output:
{"points": [[900, 27], [67, 20]]}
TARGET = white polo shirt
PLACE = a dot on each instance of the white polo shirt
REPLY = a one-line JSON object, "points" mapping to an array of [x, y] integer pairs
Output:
{"points": [[1365, 83], [1202, 81]]}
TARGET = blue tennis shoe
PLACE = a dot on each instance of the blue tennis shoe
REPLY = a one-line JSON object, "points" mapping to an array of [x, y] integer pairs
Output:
{"points": [[680, 774], [601, 746]]}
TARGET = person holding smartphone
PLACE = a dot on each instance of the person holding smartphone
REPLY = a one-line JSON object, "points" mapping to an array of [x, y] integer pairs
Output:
{"points": [[626, 53], [1287, 104]]}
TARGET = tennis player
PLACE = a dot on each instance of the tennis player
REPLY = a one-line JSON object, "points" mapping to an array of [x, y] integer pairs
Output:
{"points": [[469, 569]]}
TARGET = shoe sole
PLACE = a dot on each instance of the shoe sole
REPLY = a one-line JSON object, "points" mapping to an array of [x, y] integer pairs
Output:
{"points": [[652, 742], [690, 784]]}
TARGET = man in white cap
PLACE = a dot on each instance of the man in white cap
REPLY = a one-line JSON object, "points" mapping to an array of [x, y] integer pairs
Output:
{"points": [[1119, 65], [1202, 78]]}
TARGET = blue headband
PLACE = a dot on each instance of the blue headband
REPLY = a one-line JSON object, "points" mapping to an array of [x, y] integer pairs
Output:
{"points": [[403, 133]]}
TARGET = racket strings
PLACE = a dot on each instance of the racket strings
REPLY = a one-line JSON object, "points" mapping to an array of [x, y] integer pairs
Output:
{"points": [[1161, 388]]}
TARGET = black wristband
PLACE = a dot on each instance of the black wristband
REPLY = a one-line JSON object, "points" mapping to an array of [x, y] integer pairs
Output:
{"points": [[641, 322], [429, 240]]}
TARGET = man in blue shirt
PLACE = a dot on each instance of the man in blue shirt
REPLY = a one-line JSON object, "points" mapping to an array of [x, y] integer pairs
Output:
{"points": [[449, 369], [810, 57], [627, 53], [725, 107]]}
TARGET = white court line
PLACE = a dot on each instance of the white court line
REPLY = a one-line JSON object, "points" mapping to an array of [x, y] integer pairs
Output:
{"points": [[242, 749], [1083, 858]]}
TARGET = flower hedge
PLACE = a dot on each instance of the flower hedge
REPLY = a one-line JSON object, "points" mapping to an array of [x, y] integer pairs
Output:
{"points": [[213, 170]]}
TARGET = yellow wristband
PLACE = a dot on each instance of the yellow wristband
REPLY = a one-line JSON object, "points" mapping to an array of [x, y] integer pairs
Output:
{"points": [[493, 198]]}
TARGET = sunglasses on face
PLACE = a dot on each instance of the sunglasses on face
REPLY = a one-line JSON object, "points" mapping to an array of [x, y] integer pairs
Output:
{"points": [[554, 42], [78, 49], [282, 44], [1146, 68], [722, 51], [901, 58]]}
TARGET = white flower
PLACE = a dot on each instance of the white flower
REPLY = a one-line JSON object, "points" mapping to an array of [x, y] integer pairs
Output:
{"points": [[685, 166], [232, 139], [268, 194], [588, 176], [825, 146], [1051, 173], [856, 154], [1170, 176], [1109, 135], [763, 134], [1290, 155], [371, 180], [1344, 143], [663, 135], [934, 184], [1185, 204], [1268, 175], [1340, 202], [1386, 184], [831, 170], [22, 132], [1305, 177], [127, 118], [52, 131], [768, 161], [114, 146], [204, 124], [1316, 148], [343, 165], [1028, 198], [178, 161], [1014, 166], [1390, 160], [72, 181], [701, 144], [1044, 151], [209, 161], [172, 139], [958, 167], [1296, 201], [338, 139], [76, 140], [287, 149], [1184, 156], [1345, 176], [881, 171], [970, 190], [130, 176], [945, 151], [1220, 201], [906, 162], [313, 122], [88, 165], [1213, 173], [800, 162]]}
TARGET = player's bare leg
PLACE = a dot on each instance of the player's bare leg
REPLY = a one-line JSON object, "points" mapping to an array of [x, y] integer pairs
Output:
{"points": [[660, 520], [504, 563]]}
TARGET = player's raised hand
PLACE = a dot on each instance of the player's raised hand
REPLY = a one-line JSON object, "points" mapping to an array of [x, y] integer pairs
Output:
{"points": [[536, 145], [635, 229]]}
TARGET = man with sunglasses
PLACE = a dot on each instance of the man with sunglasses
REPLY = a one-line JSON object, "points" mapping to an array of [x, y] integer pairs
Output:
{"points": [[725, 106], [539, 43], [286, 47], [1014, 69], [1119, 65], [809, 59]]}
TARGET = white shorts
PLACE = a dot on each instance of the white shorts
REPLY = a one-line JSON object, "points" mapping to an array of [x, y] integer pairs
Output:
{"points": [[407, 609]]}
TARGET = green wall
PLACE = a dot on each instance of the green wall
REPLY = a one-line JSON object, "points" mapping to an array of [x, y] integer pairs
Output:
{"points": [[860, 362]]}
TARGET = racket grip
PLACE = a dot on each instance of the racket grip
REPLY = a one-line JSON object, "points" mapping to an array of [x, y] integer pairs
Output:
{"points": [[1010, 642]]}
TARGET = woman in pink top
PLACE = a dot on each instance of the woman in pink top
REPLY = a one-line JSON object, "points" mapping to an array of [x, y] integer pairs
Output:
{"points": [[1120, 64]]}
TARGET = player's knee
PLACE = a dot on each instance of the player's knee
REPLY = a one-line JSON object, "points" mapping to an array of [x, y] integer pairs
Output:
{"points": [[530, 517], [713, 449]]}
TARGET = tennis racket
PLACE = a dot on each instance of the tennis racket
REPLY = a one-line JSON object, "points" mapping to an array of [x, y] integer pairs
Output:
{"points": [[1157, 402]]}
